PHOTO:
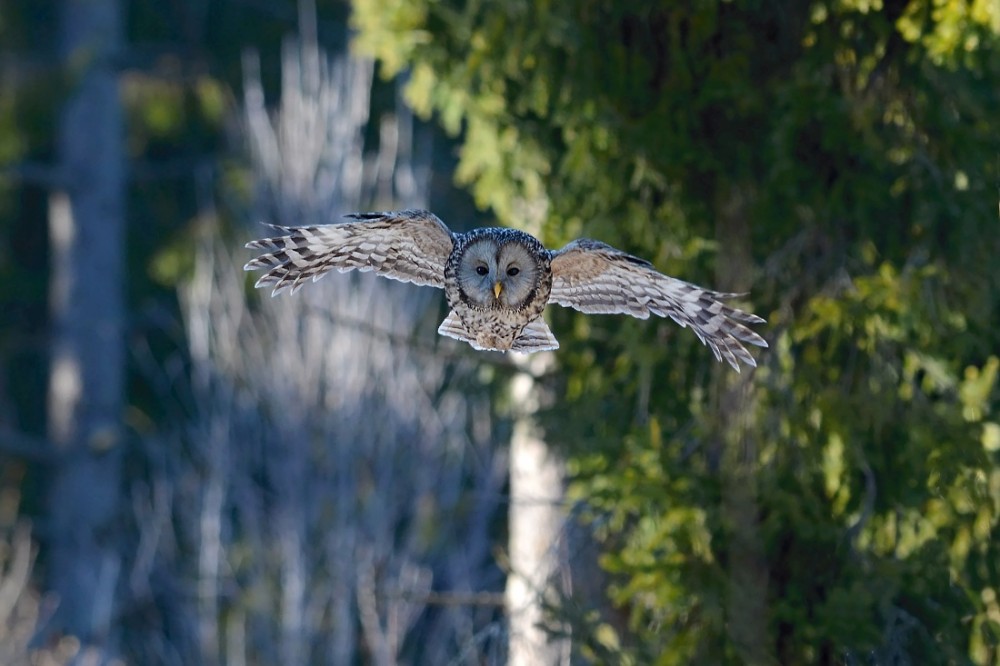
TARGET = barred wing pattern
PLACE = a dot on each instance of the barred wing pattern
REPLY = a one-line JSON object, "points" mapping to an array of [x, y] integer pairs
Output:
{"points": [[595, 278], [410, 246]]}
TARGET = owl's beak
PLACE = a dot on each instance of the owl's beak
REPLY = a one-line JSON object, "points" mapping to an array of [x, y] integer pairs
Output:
{"points": [[497, 288]]}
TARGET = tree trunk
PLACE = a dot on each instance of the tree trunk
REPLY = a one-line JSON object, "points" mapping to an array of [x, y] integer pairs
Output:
{"points": [[537, 524], [748, 574], [86, 223]]}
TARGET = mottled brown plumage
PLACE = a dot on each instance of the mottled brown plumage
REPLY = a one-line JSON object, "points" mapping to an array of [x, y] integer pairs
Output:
{"points": [[498, 281]]}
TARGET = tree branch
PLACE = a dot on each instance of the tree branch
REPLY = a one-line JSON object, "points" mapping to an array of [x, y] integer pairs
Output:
{"points": [[33, 449]]}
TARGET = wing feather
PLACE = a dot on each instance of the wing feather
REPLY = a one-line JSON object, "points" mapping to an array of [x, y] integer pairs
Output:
{"points": [[410, 246], [594, 277]]}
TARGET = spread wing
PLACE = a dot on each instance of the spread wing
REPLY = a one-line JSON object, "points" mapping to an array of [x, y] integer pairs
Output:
{"points": [[595, 278], [410, 246]]}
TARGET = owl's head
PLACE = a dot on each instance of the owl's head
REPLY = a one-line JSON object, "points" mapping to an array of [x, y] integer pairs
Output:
{"points": [[500, 269]]}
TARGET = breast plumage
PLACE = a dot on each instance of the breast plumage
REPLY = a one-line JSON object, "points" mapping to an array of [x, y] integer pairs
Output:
{"points": [[497, 282]]}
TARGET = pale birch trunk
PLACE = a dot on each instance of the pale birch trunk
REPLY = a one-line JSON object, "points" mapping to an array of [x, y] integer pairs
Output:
{"points": [[537, 528]]}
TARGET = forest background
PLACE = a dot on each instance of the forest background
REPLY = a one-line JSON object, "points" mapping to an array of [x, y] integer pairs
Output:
{"points": [[191, 472]]}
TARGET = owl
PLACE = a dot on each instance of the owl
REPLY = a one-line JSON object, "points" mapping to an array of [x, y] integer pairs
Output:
{"points": [[498, 281]]}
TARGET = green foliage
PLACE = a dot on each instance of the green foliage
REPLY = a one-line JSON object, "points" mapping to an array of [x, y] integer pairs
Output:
{"points": [[849, 151]]}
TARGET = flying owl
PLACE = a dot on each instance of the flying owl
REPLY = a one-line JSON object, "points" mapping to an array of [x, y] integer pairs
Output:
{"points": [[498, 281]]}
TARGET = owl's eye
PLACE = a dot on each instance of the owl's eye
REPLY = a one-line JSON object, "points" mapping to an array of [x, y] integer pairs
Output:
{"points": [[513, 270], [482, 270]]}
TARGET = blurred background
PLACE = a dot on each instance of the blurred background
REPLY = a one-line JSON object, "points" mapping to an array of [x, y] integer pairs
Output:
{"points": [[192, 472]]}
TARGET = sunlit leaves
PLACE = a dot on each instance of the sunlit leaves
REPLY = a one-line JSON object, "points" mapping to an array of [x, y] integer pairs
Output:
{"points": [[977, 388], [957, 28], [391, 30]]}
